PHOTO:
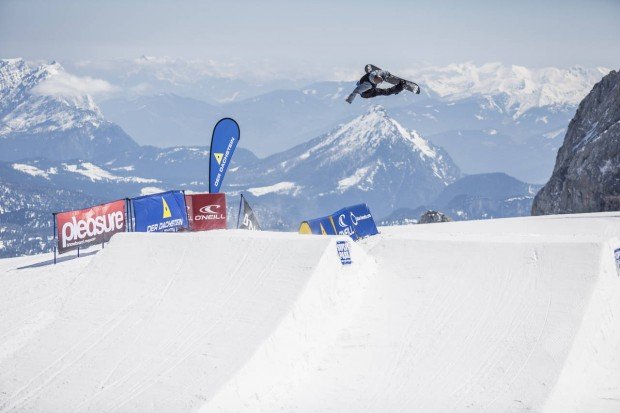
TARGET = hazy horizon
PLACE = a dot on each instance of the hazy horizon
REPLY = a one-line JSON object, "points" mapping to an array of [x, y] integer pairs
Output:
{"points": [[316, 36]]}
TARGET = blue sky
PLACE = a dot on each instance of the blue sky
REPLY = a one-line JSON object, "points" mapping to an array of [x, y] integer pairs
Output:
{"points": [[331, 33]]}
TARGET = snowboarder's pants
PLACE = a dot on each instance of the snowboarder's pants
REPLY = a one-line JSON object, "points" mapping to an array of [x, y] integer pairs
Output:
{"points": [[382, 92]]}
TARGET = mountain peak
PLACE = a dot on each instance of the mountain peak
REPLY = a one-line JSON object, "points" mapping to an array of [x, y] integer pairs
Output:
{"points": [[378, 110], [44, 111], [372, 157], [11, 62], [371, 139], [46, 71], [376, 128]]}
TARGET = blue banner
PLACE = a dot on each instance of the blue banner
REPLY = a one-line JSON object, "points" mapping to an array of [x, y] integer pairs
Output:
{"points": [[343, 223], [225, 137], [164, 212], [355, 221], [322, 226], [362, 220]]}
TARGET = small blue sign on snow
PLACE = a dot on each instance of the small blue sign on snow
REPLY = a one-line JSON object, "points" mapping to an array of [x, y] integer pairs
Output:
{"points": [[617, 255], [344, 252]]}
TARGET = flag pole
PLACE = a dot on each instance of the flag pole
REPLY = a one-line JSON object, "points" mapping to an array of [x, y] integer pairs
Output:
{"points": [[239, 214], [54, 235]]}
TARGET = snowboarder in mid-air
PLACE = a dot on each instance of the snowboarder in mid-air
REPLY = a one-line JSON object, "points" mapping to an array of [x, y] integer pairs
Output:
{"points": [[367, 86]]}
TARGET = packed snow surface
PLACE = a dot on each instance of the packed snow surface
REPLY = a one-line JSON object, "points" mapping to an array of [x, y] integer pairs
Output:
{"points": [[517, 314]]}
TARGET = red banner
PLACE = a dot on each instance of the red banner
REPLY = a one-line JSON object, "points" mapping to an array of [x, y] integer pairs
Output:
{"points": [[206, 211], [89, 226]]}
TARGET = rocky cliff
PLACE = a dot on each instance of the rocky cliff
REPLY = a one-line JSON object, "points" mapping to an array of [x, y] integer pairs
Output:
{"points": [[586, 177]]}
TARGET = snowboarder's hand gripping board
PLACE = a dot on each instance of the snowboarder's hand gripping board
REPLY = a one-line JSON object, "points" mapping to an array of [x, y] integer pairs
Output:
{"points": [[394, 80]]}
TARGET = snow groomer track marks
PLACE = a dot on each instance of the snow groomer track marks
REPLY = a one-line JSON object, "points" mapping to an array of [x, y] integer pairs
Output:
{"points": [[501, 315]]}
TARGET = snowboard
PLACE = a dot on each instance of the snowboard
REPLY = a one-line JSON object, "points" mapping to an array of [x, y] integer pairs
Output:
{"points": [[394, 80]]}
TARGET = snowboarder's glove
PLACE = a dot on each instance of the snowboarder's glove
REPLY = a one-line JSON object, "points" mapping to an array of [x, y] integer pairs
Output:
{"points": [[350, 98]]}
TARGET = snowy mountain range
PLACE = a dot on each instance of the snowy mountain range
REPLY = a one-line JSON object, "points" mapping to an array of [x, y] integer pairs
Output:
{"points": [[480, 135], [60, 152], [42, 116], [522, 87], [514, 118], [206, 80], [218, 82], [371, 159]]}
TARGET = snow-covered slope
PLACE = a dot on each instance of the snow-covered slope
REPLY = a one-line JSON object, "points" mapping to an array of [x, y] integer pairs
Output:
{"points": [[142, 330], [504, 315]]}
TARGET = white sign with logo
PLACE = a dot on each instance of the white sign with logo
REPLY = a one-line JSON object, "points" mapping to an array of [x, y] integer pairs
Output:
{"points": [[344, 252]]}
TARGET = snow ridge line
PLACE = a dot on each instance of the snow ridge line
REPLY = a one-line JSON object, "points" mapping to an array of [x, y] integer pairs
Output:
{"points": [[183, 350], [328, 301], [593, 352], [105, 384]]}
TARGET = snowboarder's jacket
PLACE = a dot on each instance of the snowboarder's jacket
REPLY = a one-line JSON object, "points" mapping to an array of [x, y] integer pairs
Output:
{"points": [[366, 83]]}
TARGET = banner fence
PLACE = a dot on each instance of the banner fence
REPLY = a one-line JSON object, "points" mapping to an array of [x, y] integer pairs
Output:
{"points": [[206, 211], [355, 221], [162, 212], [88, 226]]}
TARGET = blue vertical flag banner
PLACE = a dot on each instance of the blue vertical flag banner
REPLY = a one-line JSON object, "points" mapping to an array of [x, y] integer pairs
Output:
{"points": [[163, 212], [225, 137]]}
